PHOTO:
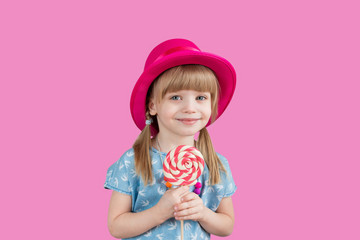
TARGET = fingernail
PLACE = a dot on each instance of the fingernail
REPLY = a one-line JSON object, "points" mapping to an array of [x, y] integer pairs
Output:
{"points": [[175, 208]]}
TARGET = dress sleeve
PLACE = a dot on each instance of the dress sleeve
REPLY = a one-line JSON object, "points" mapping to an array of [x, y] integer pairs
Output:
{"points": [[117, 176], [226, 178]]}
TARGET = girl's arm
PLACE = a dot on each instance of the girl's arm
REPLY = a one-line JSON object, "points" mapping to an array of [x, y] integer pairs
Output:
{"points": [[219, 223], [123, 223]]}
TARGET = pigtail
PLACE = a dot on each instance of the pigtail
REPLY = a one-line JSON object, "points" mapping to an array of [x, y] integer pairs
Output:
{"points": [[212, 160], [142, 154]]}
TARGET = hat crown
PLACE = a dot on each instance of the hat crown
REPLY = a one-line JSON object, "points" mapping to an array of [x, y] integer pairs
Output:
{"points": [[169, 47]]}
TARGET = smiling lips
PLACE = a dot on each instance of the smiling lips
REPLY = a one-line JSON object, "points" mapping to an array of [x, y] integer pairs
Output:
{"points": [[188, 121]]}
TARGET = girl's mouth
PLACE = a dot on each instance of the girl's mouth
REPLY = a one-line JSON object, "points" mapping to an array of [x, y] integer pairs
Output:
{"points": [[188, 121]]}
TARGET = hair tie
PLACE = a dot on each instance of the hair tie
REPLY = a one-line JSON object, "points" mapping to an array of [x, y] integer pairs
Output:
{"points": [[148, 121]]}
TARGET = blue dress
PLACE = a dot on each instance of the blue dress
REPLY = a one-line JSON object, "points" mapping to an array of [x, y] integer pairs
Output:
{"points": [[121, 177]]}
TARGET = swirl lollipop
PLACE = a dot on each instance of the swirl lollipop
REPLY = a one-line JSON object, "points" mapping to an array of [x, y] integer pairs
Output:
{"points": [[182, 167]]}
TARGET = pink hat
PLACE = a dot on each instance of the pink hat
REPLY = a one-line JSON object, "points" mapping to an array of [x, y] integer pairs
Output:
{"points": [[175, 52]]}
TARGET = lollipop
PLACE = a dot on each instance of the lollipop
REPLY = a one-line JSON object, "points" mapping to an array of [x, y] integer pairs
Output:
{"points": [[182, 167]]}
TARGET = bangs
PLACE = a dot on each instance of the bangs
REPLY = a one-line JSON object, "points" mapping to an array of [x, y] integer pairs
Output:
{"points": [[187, 77]]}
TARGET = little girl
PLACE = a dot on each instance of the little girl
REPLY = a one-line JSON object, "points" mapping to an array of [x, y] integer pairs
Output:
{"points": [[181, 91]]}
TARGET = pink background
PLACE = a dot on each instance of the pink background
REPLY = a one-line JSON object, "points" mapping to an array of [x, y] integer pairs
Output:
{"points": [[291, 133]]}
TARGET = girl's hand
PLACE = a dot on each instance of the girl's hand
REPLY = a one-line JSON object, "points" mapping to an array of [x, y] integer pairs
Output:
{"points": [[190, 208], [169, 200]]}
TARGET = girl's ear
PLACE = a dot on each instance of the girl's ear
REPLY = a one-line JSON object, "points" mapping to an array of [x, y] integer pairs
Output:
{"points": [[152, 107]]}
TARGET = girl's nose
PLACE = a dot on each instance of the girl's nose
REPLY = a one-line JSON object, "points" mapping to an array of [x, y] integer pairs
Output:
{"points": [[189, 106]]}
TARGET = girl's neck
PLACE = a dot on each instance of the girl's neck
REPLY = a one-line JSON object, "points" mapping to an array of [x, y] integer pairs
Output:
{"points": [[167, 144]]}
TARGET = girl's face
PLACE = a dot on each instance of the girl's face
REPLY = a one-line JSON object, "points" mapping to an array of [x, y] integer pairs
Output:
{"points": [[182, 113]]}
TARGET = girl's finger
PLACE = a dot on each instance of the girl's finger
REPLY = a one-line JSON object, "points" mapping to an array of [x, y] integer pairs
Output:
{"points": [[188, 203], [191, 216], [184, 205], [186, 212], [190, 196], [182, 191]]}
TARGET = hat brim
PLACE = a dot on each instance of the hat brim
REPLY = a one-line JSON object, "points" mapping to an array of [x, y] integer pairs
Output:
{"points": [[223, 70]]}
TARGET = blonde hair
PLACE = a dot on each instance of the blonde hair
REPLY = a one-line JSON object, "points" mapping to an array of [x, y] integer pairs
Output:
{"points": [[183, 77]]}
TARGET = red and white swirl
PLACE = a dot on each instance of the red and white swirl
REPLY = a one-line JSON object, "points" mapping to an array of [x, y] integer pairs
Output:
{"points": [[183, 165]]}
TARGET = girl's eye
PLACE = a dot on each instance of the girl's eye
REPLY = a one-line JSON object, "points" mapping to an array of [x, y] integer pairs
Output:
{"points": [[175, 98], [202, 98]]}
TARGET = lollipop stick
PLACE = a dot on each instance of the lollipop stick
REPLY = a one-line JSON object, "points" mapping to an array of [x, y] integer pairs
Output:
{"points": [[182, 229]]}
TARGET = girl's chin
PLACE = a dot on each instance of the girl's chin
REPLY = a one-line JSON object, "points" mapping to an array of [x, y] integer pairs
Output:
{"points": [[189, 132]]}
